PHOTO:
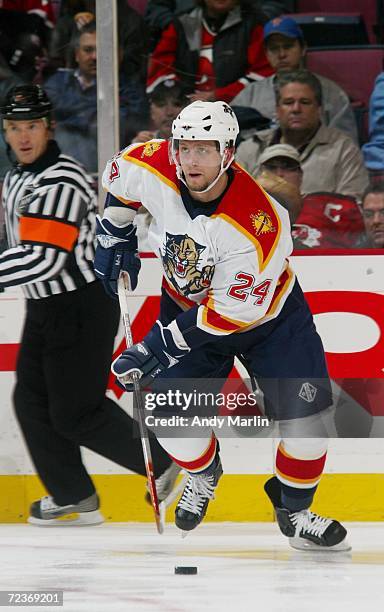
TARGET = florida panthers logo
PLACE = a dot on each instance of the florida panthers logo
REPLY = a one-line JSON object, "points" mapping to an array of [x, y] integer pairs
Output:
{"points": [[150, 148], [181, 260], [262, 223]]}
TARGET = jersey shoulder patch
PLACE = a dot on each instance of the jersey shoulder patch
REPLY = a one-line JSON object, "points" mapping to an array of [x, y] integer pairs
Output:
{"points": [[248, 208], [153, 156]]}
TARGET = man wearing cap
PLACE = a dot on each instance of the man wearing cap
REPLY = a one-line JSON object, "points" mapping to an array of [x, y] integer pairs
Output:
{"points": [[330, 160], [285, 48], [281, 175], [328, 221], [319, 220]]}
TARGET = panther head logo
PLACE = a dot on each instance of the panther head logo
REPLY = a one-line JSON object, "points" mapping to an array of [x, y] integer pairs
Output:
{"points": [[181, 260], [183, 254]]}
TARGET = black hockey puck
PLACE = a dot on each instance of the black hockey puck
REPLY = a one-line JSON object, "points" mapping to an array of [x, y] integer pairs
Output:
{"points": [[184, 569]]}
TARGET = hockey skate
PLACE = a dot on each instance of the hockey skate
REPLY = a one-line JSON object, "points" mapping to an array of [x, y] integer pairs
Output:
{"points": [[166, 487], [305, 529], [46, 513], [197, 493]]}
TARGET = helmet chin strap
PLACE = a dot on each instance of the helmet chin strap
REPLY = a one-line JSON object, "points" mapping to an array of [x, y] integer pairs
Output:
{"points": [[180, 175]]}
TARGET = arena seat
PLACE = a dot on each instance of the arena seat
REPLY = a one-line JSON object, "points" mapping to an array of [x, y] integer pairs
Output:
{"points": [[367, 8], [355, 70], [325, 29]]}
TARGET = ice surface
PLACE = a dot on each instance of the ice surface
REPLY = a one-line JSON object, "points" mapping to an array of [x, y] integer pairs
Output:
{"points": [[241, 567]]}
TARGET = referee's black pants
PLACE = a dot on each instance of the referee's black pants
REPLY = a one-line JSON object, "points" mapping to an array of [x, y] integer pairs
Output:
{"points": [[62, 374]]}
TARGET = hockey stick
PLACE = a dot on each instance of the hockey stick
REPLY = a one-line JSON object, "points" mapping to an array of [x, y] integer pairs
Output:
{"points": [[123, 287]]}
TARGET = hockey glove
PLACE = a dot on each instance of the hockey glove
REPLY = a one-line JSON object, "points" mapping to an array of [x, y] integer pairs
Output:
{"points": [[116, 251], [157, 352]]}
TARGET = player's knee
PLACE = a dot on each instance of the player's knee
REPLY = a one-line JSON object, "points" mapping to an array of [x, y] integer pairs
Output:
{"points": [[313, 426]]}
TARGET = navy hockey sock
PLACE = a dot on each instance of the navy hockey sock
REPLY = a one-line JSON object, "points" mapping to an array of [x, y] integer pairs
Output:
{"points": [[296, 499]]}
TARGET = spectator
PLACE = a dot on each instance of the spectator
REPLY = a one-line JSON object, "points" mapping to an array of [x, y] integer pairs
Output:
{"points": [[330, 160], [74, 97], [213, 51], [75, 14], [160, 13], [373, 150], [325, 220], [373, 215], [285, 49], [166, 101], [281, 175], [67, 343]]}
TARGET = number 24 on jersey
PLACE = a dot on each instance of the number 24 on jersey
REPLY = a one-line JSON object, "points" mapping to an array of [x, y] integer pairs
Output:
{"points": [[246, 287]]}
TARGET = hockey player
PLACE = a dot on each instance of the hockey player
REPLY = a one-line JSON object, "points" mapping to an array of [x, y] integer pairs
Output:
{"points": [[227, 290], [70, 326]]}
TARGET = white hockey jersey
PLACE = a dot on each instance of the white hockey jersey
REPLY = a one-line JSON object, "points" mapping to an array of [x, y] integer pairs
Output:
{"points": [[231, 267]]}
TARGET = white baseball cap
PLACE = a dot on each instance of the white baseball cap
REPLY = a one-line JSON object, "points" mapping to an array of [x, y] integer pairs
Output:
{"points": [[279, 150]]}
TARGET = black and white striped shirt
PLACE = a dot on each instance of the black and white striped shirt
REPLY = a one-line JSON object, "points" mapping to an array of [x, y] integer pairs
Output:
{"points": [[50, 209]]}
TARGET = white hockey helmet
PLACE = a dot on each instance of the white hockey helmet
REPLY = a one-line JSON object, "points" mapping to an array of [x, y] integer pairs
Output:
{"points": [[206, 121]]}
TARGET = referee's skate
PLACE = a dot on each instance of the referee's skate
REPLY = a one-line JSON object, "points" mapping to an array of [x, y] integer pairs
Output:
{"points": [[46, 513]]}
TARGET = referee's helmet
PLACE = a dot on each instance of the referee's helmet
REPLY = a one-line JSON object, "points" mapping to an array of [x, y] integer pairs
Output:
{"points": [[26, 102]]}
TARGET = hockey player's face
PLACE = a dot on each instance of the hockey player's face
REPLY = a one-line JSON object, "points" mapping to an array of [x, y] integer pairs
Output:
{"points": [[284, 53], [27, 139], [200, 161], [373, 213], [297, 108]]}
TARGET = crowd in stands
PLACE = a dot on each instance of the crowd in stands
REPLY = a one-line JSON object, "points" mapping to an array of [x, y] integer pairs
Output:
{"points": [[285, 48], [299, 136]]}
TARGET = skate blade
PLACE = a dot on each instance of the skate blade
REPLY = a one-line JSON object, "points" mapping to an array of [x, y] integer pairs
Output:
{"points": [[162, 512], [74, 519], [303, 544], [184, 534]]}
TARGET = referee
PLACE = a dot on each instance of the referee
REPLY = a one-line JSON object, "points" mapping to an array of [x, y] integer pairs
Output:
{"points": [[70, 325]]}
